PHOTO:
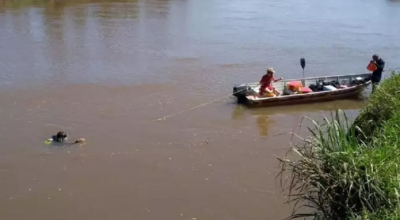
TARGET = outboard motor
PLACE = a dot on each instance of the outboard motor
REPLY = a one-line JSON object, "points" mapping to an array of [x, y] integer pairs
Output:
{"points": [[240, 91]]}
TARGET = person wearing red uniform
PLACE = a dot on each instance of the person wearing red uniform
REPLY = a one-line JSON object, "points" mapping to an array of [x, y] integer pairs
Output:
{"points": [[266, 82]]}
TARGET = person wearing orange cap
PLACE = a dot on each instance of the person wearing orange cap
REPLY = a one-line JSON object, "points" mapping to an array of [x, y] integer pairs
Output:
{"points": [[377, 74], [266, 82]]}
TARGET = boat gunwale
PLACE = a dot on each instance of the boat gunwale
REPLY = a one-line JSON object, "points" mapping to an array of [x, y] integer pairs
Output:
{"points": [[343, 90], [316, 77]]}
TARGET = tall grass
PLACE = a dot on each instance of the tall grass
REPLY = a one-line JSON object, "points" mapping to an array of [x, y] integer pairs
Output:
{"points": [[381, 107], [349, 171]]}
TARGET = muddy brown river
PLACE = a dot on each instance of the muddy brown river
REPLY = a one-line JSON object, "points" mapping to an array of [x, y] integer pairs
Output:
{"points": [[107, 70]]}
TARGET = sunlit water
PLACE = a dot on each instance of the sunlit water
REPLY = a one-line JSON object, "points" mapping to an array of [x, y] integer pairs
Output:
{"points": [[107, 70]]}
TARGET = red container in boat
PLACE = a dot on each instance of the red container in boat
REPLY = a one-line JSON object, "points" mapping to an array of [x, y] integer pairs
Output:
{"points": [[294, 85], [303, 90]]}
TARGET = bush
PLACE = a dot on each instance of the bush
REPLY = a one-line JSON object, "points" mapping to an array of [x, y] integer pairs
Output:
{"points": [[338, 177], [382, 105], [350, 171]]}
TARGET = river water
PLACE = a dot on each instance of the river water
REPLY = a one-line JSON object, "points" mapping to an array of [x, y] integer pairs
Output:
{"points": [[107, 70]]}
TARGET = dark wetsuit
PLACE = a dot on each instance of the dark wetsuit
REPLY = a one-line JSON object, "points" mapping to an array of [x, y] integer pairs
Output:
{"points": [[57, 139], [377, 74]]}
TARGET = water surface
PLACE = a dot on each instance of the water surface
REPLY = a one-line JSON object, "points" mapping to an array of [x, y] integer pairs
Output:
{"points": [[107, 70]]}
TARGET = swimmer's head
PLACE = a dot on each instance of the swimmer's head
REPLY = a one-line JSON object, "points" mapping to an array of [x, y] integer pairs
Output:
{"points": [[60, 137]]}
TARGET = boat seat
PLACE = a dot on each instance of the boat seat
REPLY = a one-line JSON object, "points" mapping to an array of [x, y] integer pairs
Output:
{"points": [[256, 89]]}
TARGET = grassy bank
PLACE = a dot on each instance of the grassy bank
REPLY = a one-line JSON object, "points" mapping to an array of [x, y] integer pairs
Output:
{"points": [[349, 170]]}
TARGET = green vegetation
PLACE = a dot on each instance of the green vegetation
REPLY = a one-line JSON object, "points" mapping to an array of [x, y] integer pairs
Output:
{"points": [[350, 171], [383, 105]]}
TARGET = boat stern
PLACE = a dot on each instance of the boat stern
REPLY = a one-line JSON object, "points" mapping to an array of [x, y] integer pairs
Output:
{"points": [[241, 91]]}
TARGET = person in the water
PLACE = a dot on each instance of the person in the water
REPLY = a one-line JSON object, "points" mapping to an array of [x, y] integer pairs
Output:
{"points": [[62, 137]]}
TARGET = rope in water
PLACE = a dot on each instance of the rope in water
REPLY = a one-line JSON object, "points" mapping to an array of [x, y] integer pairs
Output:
{"points": [[225, 96], [198, 106]]}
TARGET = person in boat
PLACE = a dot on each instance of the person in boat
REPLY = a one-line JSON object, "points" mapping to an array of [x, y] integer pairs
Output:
{"points": [[266, 83], [377, 74]]}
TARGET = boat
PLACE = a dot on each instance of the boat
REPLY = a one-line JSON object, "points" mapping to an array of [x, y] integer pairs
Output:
{"points": [[345, 86]]}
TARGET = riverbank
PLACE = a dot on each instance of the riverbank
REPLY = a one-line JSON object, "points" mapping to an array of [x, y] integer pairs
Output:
{"points": [[350, 170]]}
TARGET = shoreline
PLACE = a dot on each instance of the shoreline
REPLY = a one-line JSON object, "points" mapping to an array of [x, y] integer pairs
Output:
{"points": [[348, 169]]}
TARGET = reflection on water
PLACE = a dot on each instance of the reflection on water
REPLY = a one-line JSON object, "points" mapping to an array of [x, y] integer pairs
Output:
{"points": [[53, 4], [85, 41], [238, 112], [265, 117], [263, 123], [100, 41]]}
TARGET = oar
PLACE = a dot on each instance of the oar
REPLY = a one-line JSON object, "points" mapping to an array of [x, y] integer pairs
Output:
{"points": [[303, 64]]}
